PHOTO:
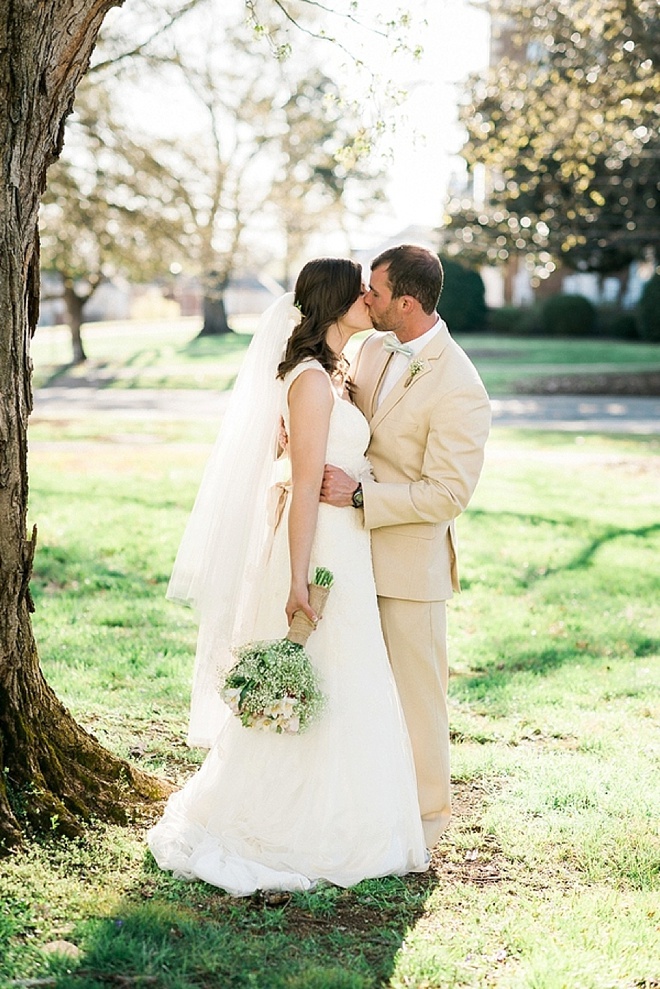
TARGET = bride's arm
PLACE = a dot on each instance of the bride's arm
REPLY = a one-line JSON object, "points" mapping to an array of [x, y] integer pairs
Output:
{"points": [[310, 404]]}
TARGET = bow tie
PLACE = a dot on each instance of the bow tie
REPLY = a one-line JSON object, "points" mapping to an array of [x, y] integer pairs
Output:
{"points": [[393, 345]]}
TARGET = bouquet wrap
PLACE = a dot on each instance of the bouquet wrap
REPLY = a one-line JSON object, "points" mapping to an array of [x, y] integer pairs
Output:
{"points": [[301, 627]]}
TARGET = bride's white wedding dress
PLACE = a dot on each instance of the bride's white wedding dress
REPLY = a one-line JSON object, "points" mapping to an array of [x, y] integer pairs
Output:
{"points": [[339, 802]]}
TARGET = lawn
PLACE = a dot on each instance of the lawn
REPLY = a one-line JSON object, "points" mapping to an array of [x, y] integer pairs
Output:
{"points": [[548, 876], [169, 354]]}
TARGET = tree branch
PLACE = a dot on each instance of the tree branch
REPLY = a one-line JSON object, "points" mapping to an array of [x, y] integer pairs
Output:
{"points": [[139, 49]]}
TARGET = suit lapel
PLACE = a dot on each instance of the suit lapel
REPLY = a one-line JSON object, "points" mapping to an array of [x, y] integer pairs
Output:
{"points": [[371, 366], [380, 374], [429, 355]]}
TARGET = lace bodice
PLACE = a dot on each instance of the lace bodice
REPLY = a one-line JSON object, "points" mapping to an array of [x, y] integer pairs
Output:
{"points": [[349, 434]]}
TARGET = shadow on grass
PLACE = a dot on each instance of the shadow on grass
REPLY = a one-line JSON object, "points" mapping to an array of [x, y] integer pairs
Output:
{"points": [[486, 678], [202, 348], [581, 560], [60, 570], [585, 557], [515, 652], [177, 935]]}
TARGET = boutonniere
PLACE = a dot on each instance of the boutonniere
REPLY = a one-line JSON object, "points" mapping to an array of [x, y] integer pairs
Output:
{"points": [[414, 368]]}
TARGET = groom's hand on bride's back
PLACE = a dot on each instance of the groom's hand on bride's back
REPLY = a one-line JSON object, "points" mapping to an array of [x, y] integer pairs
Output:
{"points": [[337, 487], [282, 439]]}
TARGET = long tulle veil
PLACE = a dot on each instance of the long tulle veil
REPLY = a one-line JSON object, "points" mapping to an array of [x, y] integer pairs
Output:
{"points": [[219, 564]]}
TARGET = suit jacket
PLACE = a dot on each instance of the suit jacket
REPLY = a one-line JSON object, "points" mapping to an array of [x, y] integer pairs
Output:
{"points": [[427, 451]]}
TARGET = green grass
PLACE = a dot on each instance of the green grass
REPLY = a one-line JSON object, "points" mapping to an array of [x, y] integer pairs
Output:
{"points": [[548, 876], [162, 354], [169, 354], [504, 362]]}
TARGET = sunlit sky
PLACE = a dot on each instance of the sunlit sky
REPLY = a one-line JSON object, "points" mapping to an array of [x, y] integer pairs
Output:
{"points": [[427, 137], [421, 135]]}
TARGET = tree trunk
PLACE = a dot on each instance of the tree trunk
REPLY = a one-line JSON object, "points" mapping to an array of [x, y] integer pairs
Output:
{"points": [[74, 310], [51, 771], [215, 317], [215, 313], [510, 270]]}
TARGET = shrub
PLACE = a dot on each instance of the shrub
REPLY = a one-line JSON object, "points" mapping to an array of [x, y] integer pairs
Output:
{"points": [[463, 300], [617, 323], [510, 319], [648, 310], [568, 315]]}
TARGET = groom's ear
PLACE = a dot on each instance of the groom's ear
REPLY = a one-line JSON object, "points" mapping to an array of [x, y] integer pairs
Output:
{"points": [[407, 303]]}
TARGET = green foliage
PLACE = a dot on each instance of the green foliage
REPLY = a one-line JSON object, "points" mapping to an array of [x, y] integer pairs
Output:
{"points": [[509, 320], [648, 310], [568, 315], [617, 323], [111, 205], [463, 300], [565, 125]]}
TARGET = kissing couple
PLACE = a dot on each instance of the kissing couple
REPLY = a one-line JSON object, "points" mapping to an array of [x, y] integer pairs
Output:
{"points": [[380, 459]]}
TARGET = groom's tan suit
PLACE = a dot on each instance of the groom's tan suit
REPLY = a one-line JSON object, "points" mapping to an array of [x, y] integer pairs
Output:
{"points": [[426, 450]]}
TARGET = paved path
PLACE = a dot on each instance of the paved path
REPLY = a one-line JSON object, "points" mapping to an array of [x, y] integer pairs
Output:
{"points": [[572, 413]]}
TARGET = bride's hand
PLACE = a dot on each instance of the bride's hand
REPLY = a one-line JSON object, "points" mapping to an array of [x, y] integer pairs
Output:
{"points": [[299, 601]]}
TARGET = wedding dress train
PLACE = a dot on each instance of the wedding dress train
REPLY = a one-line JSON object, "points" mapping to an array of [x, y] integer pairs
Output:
{"points": [[338, 802]]}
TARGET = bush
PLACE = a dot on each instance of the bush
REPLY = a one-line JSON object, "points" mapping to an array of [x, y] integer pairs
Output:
{"points": [[510, 319], [648, 310], [463, 300], [617, 323], [568, 316]]}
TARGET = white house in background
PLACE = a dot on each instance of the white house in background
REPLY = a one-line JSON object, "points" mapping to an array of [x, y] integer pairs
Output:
{"points": [[250, 294], [111, 300]]}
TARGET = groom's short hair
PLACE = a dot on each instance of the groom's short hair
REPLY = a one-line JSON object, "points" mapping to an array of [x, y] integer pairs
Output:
{"points": [[412, 270]]}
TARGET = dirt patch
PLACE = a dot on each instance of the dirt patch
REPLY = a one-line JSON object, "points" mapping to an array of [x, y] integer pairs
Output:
{"points": [[642, 384]]}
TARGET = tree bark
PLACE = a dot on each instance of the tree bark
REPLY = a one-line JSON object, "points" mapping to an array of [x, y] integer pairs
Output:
{"points": [[51, 771]]}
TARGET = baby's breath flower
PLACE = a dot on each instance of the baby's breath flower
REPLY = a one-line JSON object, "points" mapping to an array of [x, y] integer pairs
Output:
{"points": [[414, 368], [273, 687]]}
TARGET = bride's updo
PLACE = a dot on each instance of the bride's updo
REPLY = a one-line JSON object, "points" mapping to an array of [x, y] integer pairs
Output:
{"points": [[325, 290]]}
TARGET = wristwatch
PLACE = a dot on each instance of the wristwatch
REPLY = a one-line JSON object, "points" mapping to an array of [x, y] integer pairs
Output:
{"points": [[358, 499]]}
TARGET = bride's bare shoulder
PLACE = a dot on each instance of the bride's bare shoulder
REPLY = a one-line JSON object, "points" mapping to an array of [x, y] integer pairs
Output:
{"points": [[307, 383]]}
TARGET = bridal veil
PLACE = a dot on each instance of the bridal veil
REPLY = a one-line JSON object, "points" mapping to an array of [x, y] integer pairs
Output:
{"points": [[219, 565]]}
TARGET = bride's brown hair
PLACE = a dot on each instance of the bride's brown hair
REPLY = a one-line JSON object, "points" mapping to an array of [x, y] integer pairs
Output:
{"points": [[325, 290]]}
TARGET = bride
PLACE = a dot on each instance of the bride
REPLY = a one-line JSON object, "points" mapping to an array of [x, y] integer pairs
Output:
{"points": [[338, 803]]}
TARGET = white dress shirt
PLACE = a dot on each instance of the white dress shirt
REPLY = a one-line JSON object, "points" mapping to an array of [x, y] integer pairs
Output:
{"points": [[398, 365]]}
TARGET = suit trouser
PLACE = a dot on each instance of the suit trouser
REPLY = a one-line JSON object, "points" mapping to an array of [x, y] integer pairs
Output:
{"points": [[416, 638]]}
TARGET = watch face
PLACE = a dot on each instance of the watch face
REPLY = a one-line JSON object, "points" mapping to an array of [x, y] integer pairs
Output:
{"points": [[358, 500]]}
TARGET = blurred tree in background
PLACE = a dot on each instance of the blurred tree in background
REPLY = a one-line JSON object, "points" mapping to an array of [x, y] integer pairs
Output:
{"points": [[111, 207], [325, 173], [463, 299], [565, 125], [265, 139]]}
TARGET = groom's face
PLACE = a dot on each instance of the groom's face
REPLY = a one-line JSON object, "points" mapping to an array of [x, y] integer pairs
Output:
{"points": [[383, 309]]}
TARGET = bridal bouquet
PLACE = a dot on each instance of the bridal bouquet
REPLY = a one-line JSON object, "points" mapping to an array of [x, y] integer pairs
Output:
{"points": [[273, 685]]}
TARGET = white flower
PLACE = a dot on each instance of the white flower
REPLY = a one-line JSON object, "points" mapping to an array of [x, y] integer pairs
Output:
{"points": [[284, 706], [231, 697], [414, 368], [265, 723]]}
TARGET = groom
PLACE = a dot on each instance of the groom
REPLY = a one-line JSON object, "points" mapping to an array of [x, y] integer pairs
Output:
{"points": [[429, 416]]}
